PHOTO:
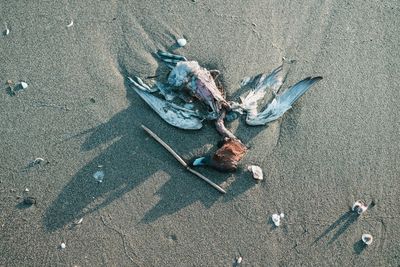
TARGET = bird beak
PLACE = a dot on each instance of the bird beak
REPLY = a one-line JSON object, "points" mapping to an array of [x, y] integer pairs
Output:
{"points": [[199, 161]]}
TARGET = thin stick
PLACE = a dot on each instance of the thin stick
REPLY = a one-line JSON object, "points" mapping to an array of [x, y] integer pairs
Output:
{"points": [[181, 161]]}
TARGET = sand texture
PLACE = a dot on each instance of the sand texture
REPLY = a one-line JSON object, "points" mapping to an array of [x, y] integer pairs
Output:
{"points": [[339, 143]]}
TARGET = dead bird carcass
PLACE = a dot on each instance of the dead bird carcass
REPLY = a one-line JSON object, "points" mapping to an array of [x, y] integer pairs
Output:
{"points": [[192, 94]]}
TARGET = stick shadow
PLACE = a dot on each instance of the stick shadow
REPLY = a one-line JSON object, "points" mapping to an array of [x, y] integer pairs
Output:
{"points": [[341, 225], [359, 247]]}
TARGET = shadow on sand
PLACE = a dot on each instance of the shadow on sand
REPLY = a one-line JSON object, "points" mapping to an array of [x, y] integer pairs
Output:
{"points": [[130, 160], [341, 225]]}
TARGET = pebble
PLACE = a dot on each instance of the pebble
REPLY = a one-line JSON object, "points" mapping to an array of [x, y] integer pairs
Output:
{"points": [[181, 42], [256, 171], [62, 246], [24, 85], [26, 190]]}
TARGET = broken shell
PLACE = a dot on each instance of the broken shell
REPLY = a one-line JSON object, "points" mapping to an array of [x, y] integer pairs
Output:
{"points": [[62, 246], [78, 221], [70, 24], [359, 206], [181, 42], [256, 171], [26, 190], [282, 215], [38, 160], [24, 85], [7, 32], [239, 260], [276, 219], [367, 239], [98, 176]]}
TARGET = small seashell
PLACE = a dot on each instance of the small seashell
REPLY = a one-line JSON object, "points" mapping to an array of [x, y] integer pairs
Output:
{"points": [[98, 176], [276, 219], [367, 239], [256, 171], [70, 24], [62, 246], [7, 32], [181, 42], [282, 215], [239, 260], [26, 190], [78, 221], [38, 160], [359, 206], [24, 85]]}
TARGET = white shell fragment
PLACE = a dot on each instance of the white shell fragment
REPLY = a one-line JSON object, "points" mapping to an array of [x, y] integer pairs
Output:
{"points": [[239, 260], [26, 190], [276, 218], [181, 42], [99, 176], [62, 246], [256, 171], [38, 160], [24, 85], [359, 206], [78, 221], [70, 24], [367, 239], [7, 32]]}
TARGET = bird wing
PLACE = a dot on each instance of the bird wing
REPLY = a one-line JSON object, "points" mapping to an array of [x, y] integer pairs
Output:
{"points": [[176, 115], [282, 102], [170, 59], [260, 84]]}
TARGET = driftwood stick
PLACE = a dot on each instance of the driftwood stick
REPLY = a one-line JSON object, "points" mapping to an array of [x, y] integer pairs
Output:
{"points": [[181, 161]]}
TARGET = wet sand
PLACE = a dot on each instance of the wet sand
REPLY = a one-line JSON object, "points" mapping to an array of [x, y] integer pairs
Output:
{"points": [[339, 143]]}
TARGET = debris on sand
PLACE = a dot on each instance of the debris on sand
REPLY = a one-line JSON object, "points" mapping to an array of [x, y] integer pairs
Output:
{"points": [[62, 246], [367, 239], [192, 83], [359, 206], [256, 171], [181, 161], [237, 261], [24, 85], [276, 218], [98, 176], [70, 24], [7, 31], [36, 161], [181, 42], [226, 158], [78, 221]]}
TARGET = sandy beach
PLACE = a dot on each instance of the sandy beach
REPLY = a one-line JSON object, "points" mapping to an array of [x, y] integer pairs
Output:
{"points": [[338, 144]]}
